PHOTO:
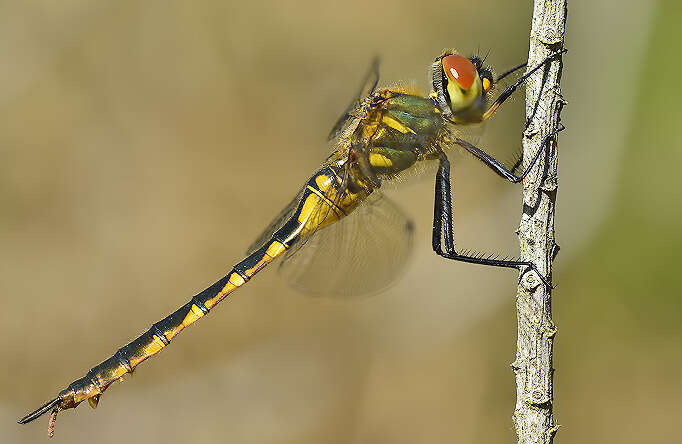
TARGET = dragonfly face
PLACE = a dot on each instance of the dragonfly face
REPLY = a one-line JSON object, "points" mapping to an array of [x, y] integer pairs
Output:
{"points": [[461, 86]]}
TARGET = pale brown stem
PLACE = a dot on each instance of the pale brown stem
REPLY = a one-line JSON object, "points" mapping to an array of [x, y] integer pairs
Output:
{"points": [[533, 415]]}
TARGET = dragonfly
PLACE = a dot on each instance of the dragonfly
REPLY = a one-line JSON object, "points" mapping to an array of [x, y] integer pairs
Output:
{"points": [[340, 233]]}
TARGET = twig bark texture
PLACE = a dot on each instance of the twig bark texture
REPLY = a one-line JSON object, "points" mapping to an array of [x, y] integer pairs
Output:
{"points": [[533, 415]]}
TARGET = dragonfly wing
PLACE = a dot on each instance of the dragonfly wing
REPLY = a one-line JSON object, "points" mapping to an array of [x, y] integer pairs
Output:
{"points": [[367, 87], [419, 172], [359, 255], [276, 224]]}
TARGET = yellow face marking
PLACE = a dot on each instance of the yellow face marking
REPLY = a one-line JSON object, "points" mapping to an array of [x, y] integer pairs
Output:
{"points": [[463, 98], [379, 160], [391, 122]]}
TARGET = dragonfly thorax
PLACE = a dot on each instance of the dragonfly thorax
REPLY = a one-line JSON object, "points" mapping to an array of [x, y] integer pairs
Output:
{"points": [[400, 129]]}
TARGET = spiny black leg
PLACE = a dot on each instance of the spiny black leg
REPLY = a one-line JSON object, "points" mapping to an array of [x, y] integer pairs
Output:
{"points": [[545, 74], [510, 71], [517, 164], [497, 166], [358, 152], [519, 161], [443, 231], [369, 84], [442, 210], [510, 90]]}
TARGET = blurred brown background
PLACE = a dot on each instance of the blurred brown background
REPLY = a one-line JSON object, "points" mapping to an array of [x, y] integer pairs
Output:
{"points": [[144, 144]]}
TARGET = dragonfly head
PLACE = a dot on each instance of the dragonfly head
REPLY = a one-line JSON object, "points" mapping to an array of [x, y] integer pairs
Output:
{"points": [[461, 86]]}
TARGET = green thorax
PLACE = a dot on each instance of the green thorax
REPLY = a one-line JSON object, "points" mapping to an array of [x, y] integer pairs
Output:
{"points": [[402, 129]]}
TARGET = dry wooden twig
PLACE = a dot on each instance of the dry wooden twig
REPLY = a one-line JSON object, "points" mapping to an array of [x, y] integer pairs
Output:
{"points": [[533, 415]]}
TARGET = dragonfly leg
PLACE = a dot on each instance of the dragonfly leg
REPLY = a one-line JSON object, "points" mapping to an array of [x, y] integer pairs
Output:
{"points": [[443, 242], [510, 90], [369, 84], [497, 166], [519, 161], [359, 153]]}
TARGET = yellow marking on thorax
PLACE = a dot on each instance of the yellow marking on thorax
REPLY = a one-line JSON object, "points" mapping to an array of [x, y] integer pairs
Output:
{"points": [[398, 126], [381, 132], [379, 160]]}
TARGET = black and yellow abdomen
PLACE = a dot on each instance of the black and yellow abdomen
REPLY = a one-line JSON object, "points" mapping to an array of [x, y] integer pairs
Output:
{"points": [[326, 198], [398, 130]]}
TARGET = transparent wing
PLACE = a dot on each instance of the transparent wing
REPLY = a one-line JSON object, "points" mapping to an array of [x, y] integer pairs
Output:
{"points": [[276, 224], [369, 83], [423, 170], [359, 255]]}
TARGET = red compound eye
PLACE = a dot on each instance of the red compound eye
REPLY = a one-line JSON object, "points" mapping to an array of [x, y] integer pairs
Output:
{"points": [[460, 69]]}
